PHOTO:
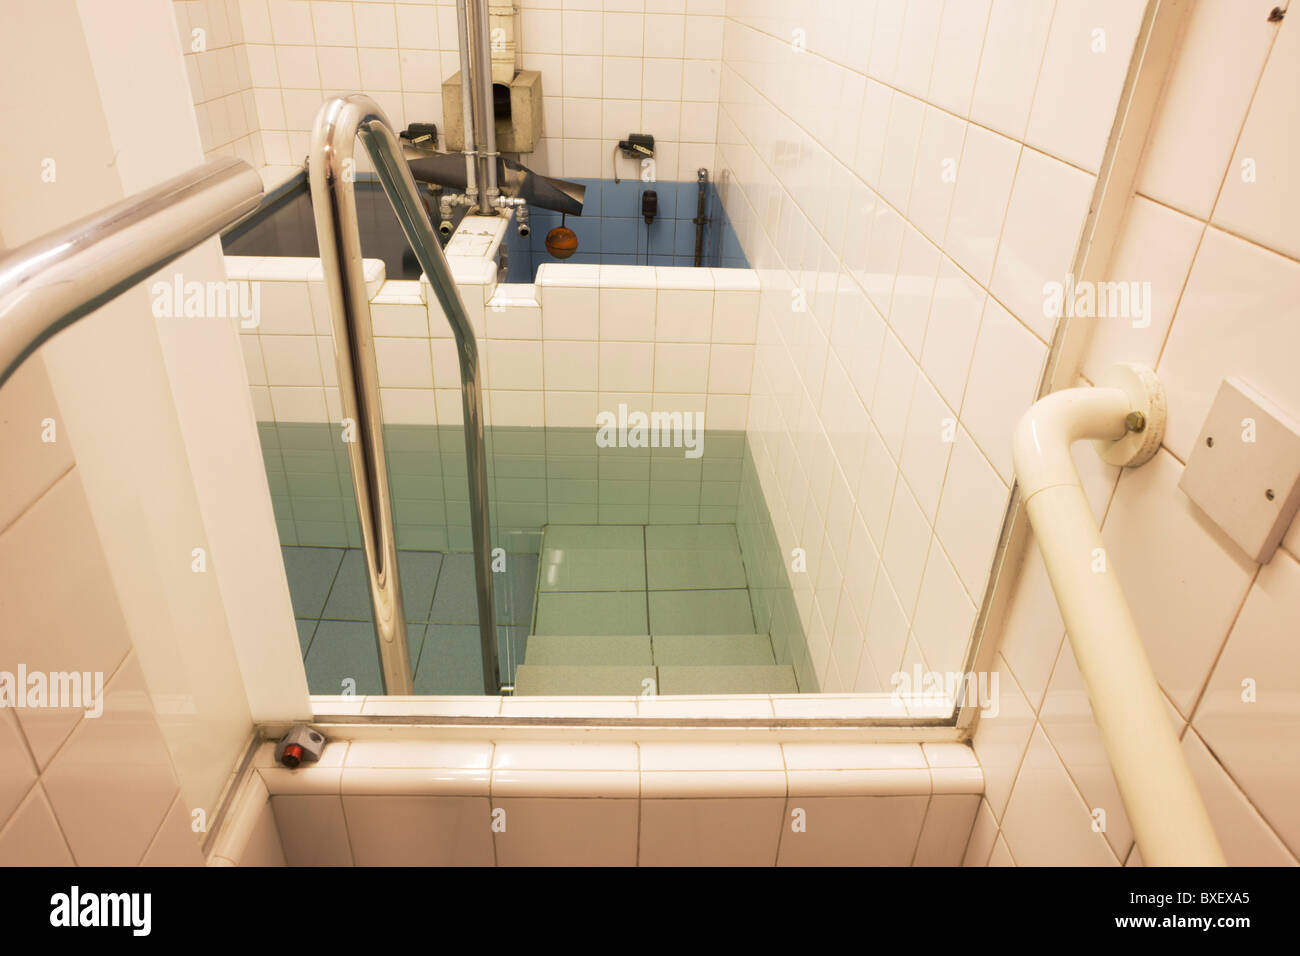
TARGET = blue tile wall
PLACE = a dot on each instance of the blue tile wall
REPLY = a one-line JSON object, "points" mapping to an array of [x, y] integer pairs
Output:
{"points": [[611, 230]]}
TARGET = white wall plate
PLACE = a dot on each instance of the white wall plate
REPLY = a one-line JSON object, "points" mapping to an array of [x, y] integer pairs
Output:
{"points": [[1244, 471]]}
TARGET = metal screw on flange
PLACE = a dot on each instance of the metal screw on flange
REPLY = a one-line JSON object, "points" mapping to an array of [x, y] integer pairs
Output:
{"points": [[1268, 493], [1135, 421]]}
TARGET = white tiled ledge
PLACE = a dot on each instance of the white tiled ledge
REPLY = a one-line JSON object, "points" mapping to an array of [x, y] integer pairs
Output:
{"points": [[884, 708], [511, 802], [587, 768]]}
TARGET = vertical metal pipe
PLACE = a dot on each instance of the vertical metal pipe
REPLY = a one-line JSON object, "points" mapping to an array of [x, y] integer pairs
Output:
{"points": [[338, 124], [480, 50], [701, 219], [467, 104]]}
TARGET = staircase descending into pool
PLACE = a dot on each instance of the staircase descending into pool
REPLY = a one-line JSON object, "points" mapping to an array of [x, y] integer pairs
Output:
{"points": [[635, 610]]}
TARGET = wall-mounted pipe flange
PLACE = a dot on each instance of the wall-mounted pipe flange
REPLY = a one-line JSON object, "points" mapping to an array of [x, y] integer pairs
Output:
{"points": [[302, 744], [1145, 421]]}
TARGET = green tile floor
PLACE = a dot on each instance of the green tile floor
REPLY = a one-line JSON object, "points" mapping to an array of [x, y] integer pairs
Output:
{"points": [[633, 609], [605, 609], [332, 605]]}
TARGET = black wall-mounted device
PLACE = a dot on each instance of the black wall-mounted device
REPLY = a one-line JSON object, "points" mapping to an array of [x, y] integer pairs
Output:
{"points": [[649, 205], [420, 134], [637, 145]]}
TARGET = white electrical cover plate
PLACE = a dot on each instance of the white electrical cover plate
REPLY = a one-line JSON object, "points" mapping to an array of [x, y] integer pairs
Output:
{"points": [[1244, 471]]}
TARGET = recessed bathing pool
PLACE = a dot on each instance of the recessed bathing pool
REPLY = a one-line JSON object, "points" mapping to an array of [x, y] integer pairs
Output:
{"points": [[610, 231], [625, 571]]}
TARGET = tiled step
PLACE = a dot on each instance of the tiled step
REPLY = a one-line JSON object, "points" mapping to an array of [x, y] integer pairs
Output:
{"points": [[711, 649], [533, 680], [564, 680], [672, 649], [728, 679], [581, 649]]}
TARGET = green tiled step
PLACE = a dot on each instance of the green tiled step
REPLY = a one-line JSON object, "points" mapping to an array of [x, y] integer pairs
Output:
{"points": [[595, 680], [729, 679], [674, 649], [534, 680], [694, 650], [582, 649]]}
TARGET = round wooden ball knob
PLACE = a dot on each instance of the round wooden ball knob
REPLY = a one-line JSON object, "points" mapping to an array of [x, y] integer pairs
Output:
{"points": [[561, 242]]}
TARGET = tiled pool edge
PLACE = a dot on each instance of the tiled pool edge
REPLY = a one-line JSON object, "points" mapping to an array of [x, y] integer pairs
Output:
{"points": [[892, 802]]}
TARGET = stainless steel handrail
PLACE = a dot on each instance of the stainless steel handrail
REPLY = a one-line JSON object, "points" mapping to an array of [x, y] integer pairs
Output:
{"points": [[331, 172], [52, 281]]}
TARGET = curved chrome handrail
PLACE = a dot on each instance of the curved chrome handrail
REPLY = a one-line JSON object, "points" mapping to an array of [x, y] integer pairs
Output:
{"points": [[331, 172], [51, 282]]}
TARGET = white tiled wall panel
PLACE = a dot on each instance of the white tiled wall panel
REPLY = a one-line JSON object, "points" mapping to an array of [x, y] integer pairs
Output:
{"points": [[1212, 229], [631, 67], [902, 228], [582, 339], [79, 788], [230, 113]]}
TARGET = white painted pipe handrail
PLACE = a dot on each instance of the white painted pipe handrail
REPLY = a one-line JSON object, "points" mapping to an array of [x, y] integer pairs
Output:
{"points": [[1169, 819]]}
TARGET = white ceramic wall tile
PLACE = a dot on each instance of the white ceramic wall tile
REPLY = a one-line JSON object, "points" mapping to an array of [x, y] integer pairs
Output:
{"points": [[27, 404], [1033, 631], [970, 513], [947, 829], [1162, 548], [404, 363], [935, 179], [1233, 284], [1003, 383], [1246, 716], [979, 204], [1246, 837], [931, 432], [627, 315], [32, 837], [682, 315], [19, 771], [983, 834], [907, 541], [1002, 739], [1204, 103], [913, 291], [113, 784], [944, 614], [851, 831], [1083, 71], [567, 832], [710, 832], [50, 558], [902, 138], [1067, 718], [1047, 823], [1013, 50], [1048, 204], [292, 360], [398, 830], [1154, 255], [951, 331], [956, 57], [312, 828], [176, 843]]}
